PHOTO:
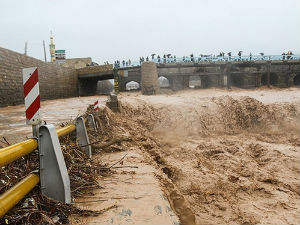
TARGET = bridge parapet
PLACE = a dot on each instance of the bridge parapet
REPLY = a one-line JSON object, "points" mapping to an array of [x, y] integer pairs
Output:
{"points": [[94, 69], [214, 59], [243, 74]]}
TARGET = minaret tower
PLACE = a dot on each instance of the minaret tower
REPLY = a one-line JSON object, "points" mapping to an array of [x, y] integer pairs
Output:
{"points": [[52, 48]]}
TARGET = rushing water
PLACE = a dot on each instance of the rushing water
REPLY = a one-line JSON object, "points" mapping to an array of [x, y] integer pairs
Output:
{"points": [[13, 123]]}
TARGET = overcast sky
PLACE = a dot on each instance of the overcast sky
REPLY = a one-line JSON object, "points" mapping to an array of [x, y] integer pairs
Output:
{"points": [[123, 29]]}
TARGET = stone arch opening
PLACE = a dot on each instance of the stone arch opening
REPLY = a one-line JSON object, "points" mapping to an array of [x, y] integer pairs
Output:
{"points": [[297, 79], [273, 79], [163, 82], [104, 87], [195, 82], [264, 79], [132, 86]]}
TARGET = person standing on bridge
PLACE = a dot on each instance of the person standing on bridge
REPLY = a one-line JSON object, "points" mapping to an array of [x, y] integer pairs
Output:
{"points": [[123, 63], [192, 57], [229, 55], [158, 59], [152, 57], [240, 55]]}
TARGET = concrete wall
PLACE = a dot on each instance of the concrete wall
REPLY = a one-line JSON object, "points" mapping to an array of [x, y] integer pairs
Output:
{"points": [[55, 81]]}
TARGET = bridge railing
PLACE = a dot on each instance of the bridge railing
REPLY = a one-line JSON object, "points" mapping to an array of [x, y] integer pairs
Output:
{"points": [[212, 58]]}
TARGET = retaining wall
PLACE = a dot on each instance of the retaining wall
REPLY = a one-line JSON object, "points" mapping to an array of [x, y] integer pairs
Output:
{"points": [[55, 81]]}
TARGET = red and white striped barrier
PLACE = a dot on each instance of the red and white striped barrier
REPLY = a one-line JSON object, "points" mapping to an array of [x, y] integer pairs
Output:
{"points": [[32, 95], [96, 105]]}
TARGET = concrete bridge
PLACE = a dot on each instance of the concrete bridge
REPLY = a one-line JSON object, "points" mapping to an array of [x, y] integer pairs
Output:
{"points": [[57, 81], [223, 74], [243, 74], [89, 76]]}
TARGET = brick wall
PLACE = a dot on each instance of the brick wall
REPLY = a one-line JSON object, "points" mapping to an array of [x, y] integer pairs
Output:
{"points": [[55, 81]]}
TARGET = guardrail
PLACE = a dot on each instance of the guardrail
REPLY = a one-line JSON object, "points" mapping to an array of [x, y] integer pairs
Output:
{"points": [[52, 163], [53, 174], [16, 151]]}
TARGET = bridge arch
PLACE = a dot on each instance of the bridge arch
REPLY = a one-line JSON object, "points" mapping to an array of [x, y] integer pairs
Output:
{"points": [[273, 79], [297, 79], [195, 81], [132, 85], [163, 82], [104, 87]]}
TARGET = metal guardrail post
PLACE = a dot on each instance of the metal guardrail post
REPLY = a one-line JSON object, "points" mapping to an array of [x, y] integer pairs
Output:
{"points": [[55, 181], [82, 137], [11, 197], [90, 121]]}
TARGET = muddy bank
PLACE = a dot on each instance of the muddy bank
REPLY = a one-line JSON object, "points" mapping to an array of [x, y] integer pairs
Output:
{"points": [[227, 159]]}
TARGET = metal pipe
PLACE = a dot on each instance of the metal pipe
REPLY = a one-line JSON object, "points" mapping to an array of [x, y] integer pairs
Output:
{"points": [[65, 130], [11, 197], [16, 151]]}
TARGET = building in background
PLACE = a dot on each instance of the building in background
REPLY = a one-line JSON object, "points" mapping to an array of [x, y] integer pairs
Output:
{"points": [[52, 48], [60, 56]]}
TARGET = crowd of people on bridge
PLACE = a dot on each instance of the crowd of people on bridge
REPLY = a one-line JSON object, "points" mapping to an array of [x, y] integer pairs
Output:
{"points": [[169, 58]]}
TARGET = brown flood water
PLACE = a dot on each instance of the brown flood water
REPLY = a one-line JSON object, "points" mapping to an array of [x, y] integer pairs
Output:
{"points": [[13, 123], [225, 157], [218, 156]]}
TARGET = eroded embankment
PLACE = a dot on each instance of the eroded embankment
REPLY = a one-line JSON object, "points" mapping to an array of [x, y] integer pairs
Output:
{"points": [[222, 160]]}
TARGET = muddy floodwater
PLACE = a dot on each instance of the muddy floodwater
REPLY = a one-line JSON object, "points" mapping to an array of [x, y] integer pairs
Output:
{"points": [[212, 156], [13, 122]]}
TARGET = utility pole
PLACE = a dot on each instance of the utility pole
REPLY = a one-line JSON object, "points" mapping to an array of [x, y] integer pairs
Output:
{"points": [[25, 51], [44, 51]]}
